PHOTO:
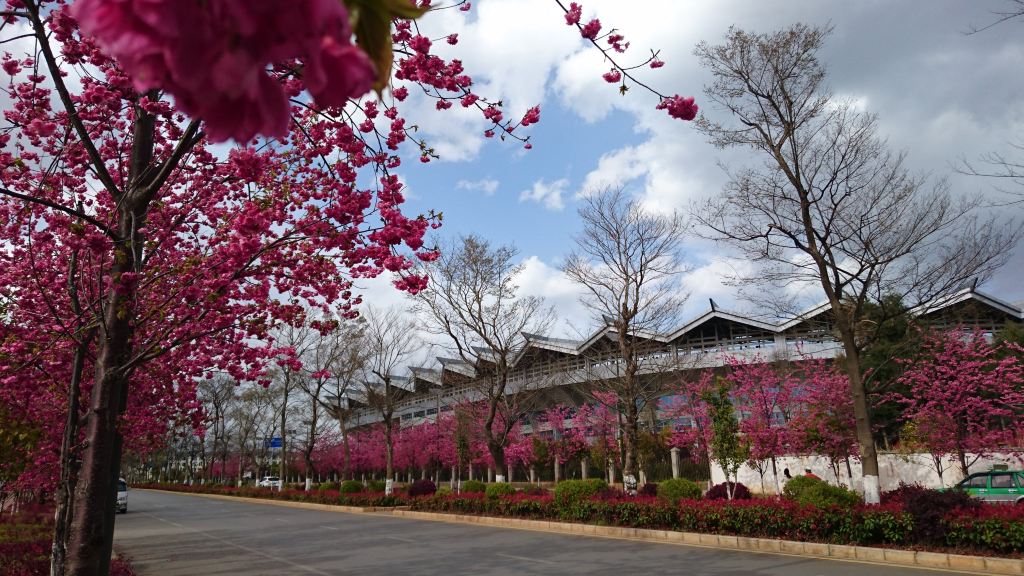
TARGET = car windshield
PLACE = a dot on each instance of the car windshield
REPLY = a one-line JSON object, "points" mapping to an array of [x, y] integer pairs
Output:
{"points": [[122, 486]]}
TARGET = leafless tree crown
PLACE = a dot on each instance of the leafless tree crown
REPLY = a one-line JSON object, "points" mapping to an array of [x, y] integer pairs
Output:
{"points": [[829, 203], [628, 262]]}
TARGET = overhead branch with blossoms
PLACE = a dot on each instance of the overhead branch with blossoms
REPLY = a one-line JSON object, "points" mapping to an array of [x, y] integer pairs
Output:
{"points": [[625, 75]]}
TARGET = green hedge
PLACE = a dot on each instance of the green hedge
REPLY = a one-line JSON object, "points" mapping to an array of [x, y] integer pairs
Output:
{"points": [[498, 489], [676, 489], [473, 487], [351, 487], [816, 492]]}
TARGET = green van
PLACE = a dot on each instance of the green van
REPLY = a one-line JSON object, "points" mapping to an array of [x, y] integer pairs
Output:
{"points": [[995, 486]]}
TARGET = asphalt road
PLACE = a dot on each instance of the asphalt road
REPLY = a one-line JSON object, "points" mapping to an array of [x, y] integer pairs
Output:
{"points": [[169, 534]]}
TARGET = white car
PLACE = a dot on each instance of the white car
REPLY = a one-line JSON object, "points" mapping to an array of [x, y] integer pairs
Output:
{"points": [[269, 482], [122, 496]]}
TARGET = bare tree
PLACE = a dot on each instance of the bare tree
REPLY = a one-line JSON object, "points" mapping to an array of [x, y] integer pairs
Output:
{"points": [[473, 301], [347, 364], [1014, 10], [830, 205], [254, 417], [390, 341], [217, 396], [1006, 168], [293, 343], [332, 350], [628, 261]]}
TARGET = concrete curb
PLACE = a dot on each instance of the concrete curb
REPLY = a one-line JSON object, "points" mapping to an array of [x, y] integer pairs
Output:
{"points": [[882, 556]]}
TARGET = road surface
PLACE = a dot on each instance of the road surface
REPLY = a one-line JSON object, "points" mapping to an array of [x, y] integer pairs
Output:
{"points": [[168, 534]]}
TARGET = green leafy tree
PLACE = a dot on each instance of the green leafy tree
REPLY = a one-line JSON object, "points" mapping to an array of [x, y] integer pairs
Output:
{"points": [[726, 445]]}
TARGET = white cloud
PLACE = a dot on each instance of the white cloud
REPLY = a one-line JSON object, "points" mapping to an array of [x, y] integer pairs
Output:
{"points": [[541, 279], [486, 185], [547, 193]]}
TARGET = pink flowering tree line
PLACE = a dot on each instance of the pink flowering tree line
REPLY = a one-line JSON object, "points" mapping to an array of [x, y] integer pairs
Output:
{"points": [[782, 409]]}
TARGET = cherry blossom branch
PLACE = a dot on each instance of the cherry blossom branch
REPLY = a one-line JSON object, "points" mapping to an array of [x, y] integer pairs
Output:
{"points": [[65, 97], [61, 208]]}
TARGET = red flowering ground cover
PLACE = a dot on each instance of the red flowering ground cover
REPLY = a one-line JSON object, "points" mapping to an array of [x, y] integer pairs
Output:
{"points": [[25, 540]]}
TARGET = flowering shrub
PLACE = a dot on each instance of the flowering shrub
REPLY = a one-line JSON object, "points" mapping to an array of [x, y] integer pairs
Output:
{"points": [[739, 492], [999, 529], [794, 521], [373, 500], [929, 508]]}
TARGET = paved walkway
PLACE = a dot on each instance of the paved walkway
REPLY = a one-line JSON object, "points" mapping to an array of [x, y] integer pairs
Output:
{"points": [[169, 534]]}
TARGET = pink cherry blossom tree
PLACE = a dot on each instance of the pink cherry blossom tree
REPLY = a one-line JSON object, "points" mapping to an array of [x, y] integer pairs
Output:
{"points": [[764, 395], [134, 244], [963, 396], [824, 419]]}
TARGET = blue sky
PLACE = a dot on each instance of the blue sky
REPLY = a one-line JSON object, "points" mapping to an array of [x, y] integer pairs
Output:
{"points": [[940, 94]]}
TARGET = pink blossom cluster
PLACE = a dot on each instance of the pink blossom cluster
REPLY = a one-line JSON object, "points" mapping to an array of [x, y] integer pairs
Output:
{"points": [[679, 107], [213, 56]]}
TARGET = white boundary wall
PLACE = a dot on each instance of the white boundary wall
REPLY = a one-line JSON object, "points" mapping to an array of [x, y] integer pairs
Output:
{"points": [[893, 469]]}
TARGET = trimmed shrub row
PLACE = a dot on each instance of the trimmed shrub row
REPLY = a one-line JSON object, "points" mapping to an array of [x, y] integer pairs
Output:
{"points": [[910, 516], [985, 529]]}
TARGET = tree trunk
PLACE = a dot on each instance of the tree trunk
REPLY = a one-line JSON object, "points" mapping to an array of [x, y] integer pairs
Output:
{"points": [[346, 452], [865, 437], [497, 452], [388, 449], [96, 490], [66, 484], [283, 464], [629, 438]]}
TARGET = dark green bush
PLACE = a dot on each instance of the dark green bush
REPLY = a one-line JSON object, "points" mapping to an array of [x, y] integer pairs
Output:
{"points": [[499, 489], [443, 491], [677, 489], [351, 487], [375, 485], [576, 490], [473, 487], [534, 490], [819, 493], [795, 487]]}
